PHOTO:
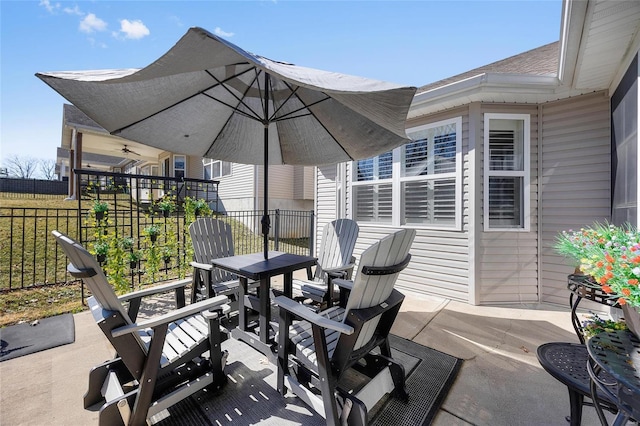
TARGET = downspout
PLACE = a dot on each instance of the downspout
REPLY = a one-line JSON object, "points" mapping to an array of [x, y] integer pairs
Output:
{"points": [[540, 209]]}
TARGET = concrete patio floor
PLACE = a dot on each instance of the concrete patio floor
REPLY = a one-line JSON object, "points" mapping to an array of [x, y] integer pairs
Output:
{"points": [[500, 383]]}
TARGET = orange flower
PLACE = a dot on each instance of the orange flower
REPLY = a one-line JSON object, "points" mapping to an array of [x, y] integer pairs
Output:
{"points": [[633, 281], [611, 259], [609, 267], [600, 264], [609, 275], [621, 301], [607, 289], [626, 292]]}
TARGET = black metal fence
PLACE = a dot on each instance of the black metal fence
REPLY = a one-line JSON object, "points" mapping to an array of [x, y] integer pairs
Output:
{"points": [[135, 205], [32, 188]]}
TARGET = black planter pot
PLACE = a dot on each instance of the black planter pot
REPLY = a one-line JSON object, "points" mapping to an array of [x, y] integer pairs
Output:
{"points": [[99, 216], [133, 264], [101, 258], [153, 238], [166, 213], [197, 212]]}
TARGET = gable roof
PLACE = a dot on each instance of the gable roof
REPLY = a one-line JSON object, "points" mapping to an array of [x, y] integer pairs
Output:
{"points": [[599, 39], [539, 61]]}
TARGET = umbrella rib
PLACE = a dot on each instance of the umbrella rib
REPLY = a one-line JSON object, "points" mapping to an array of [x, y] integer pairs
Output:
{"points": [[322, 124], [201, 92], [253, 115]]}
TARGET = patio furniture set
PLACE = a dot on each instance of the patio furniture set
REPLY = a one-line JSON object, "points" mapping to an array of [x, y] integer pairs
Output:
{"points": [[313, 342], [605, 370]]}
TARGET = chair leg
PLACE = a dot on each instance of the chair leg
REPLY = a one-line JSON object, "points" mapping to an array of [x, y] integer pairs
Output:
{"points": [[576, 400], [97, 376], [215, 352], [354, 412], [327, 380]]}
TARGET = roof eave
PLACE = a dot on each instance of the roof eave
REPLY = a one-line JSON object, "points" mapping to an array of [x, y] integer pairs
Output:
{"points": [[484, 87]]}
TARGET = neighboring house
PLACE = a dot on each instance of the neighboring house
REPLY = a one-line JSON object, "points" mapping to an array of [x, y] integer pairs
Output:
{"points": [[85, 144], [503, 158]]}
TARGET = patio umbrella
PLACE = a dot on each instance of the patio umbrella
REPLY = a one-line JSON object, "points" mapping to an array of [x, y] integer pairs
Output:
{"points": [[210, 98]]}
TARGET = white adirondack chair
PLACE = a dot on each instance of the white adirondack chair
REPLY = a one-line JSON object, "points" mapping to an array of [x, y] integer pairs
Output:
{"points": [[159, 361], [212, 239], [335, 260], [315, 353]]}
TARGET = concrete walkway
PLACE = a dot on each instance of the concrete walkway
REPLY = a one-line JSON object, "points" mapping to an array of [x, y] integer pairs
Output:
{"points": [[500, 383]]}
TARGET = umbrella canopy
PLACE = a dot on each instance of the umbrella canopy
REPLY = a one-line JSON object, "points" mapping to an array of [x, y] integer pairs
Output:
{"points": [[210, 98]]}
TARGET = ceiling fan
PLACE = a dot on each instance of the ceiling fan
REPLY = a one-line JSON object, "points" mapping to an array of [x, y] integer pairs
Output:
{"points": [[126, 150]]}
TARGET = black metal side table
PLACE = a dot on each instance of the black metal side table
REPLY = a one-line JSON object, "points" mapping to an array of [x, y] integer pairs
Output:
{"points": [[618, 353]]}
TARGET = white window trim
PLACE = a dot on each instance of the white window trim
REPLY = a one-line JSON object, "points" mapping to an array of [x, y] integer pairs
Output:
{"points": [[184, 160], [525, 174], [208, 162], [396, 182]]}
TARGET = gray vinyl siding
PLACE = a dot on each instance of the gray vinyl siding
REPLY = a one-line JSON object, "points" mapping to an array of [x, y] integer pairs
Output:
{"points": [[240, 183], [325, 204], [576, 179], [439, 258], [507, 266]]}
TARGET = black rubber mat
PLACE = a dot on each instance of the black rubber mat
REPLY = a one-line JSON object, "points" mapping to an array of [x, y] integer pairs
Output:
{"points": [[250, 397]]}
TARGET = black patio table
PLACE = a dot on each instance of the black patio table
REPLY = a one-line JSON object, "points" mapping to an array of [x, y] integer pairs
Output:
{"points": [[618, 353], [255, 267]]}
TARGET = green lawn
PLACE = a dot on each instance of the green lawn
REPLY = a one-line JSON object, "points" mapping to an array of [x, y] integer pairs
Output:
{"points": [[57, 295]]}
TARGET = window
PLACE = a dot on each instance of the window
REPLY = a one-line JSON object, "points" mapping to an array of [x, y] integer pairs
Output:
{"points": [[214, 169], [179, 166], [506, 176], [417, 184]]}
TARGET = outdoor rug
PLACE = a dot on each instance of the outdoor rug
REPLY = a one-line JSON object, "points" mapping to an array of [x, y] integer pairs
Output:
{"points": [[250, 397], [23, 339]]}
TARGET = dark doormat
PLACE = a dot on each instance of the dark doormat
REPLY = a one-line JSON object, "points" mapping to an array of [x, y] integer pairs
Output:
{"points": [[23, 339], [250, 396]]}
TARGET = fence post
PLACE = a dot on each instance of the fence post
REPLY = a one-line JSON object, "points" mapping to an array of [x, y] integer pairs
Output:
{"points": [[311, 233], [276, 231]]}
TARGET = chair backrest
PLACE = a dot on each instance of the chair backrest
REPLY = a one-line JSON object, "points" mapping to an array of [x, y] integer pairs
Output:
{"points": [[336, 248], [212, 239], [83, 261], [372, 289], [106, 308]]}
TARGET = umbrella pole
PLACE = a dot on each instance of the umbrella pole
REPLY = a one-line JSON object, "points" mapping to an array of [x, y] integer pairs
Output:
{"points": [[266, 223]]}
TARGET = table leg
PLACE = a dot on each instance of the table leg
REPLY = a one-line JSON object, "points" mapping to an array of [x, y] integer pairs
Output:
{"points": [[265, 310], [242, 310], [288, 284]]}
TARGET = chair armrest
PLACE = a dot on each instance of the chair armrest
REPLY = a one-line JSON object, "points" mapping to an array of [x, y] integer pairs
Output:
{"points": [[214, 303], [163, 288], [346, 284], [205, 266], [307, 314]]}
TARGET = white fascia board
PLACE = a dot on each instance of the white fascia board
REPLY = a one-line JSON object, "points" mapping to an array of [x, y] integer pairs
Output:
{"points": [[484, 86]]}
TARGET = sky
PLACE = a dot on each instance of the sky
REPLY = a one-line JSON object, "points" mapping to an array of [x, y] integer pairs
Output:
{"points": [[409, 42]]}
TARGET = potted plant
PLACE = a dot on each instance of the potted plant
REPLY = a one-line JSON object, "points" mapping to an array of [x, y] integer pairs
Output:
{"points": [[127, 243], [199, 206], [134, 257], [152, 231], [166, 206], [611, 255], [99, 209], [101, 248], [166, 255]]}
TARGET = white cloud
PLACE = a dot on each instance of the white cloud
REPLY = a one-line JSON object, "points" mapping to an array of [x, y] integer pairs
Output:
{"points": [[92, 23], [50, 7], [133, 29], [73, 11], [219, 32]]}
